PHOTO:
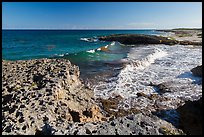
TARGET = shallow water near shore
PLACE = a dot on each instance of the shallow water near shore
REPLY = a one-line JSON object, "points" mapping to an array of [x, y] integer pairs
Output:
{"points": [[157, 64]]}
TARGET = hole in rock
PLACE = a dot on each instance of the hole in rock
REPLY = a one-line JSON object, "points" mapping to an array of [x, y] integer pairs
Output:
{"points": [[87, 113], [24, 128], [21, 120], [75, 116], [38, 132], [88, 131]]}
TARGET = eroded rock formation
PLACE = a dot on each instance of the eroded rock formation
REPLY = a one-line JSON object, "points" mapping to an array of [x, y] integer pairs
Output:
{"points": [[131, 39], [35, 89]]}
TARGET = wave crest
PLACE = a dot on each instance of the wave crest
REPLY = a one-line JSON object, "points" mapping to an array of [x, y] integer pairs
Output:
{"points": [[140, 60], [89, 39], [124, 82], [91, 51]]}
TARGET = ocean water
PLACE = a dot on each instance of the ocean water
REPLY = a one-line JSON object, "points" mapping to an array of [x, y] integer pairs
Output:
{"points": [[34, 44], [81, 47]]}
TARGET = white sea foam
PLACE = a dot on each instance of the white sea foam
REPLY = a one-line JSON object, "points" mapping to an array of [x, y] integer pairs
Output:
{"points": [[84, 39], [89, 39], [156, 64], [113, 43], [143, 57], [60, 55], [91, 51]]}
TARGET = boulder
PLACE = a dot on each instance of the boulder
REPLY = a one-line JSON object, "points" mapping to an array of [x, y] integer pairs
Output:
{"points": [[191, 117], [197, 71]]}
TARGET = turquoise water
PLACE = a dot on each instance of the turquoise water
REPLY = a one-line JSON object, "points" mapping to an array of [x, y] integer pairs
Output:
{"points": [[34, 44], [69, 44]]}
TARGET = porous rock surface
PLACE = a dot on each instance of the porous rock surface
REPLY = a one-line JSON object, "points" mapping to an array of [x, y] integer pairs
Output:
{"points": [[138, 124], [36, 91]]}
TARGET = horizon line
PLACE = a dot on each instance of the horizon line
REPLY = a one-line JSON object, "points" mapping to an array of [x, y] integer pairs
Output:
{"points": [[100, 28]]}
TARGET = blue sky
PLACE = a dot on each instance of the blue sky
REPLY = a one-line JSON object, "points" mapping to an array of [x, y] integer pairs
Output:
{"points": [[101, 15]]}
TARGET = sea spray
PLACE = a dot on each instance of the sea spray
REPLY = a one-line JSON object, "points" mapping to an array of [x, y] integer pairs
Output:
{"points": [[156, 64], [124, 79]]}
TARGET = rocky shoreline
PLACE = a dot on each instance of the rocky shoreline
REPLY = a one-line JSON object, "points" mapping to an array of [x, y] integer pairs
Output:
{"points": [[50, 89], [46, 96], [183, 34]]}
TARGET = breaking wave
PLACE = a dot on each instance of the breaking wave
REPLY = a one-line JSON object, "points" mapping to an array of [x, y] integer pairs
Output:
{"points": [[142, 58], [156, 64], [91, 51], [97, 54], [89, 39]]}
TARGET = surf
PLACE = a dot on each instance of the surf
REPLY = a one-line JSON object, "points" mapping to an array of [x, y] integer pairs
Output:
{"points": [[157, 64]]}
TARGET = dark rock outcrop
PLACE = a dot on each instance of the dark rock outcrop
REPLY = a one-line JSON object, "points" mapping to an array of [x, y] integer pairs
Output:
{"points": [[111, 107], [131, 39], [161, 88], [138, 39], [197, 71], [185, 42], [191, 117]]}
